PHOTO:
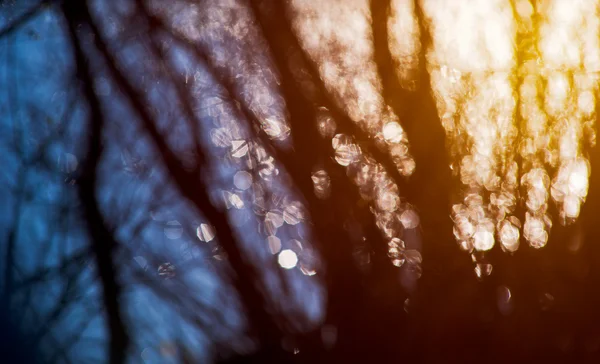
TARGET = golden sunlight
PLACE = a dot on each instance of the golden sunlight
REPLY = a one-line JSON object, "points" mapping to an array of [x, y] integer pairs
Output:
{"points": [[505, 76], [515, 86]]}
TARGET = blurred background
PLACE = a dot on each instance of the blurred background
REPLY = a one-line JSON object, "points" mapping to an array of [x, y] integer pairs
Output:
{"points": [[291, 181]]}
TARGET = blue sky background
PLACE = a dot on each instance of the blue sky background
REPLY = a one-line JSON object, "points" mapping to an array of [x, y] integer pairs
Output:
{"points": [[153, 223]]}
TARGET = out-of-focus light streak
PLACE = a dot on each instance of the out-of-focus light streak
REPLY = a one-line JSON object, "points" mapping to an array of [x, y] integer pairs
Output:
{"points": [[350, 75], [404, 44], [515, 87], [337, 35], [471, 78], [515, 83]]}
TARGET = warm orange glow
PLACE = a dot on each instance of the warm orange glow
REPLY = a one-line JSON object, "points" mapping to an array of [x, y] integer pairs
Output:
{"points": [[506, 77], [515, 89]]}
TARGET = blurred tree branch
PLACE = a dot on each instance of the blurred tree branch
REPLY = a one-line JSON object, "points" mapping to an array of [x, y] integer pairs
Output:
{"points": [[103, 242]]}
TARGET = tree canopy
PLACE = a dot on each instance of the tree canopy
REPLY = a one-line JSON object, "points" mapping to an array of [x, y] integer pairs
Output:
{"points": [[299, 181]]}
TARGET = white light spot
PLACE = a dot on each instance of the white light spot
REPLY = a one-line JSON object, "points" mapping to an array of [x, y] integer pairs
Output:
{"points": [[409, 219], [276, 129], [346, 154], [535, 232], [236, 201], [578, 180], [274, 244], [273, 221], [307, 271], [509, 236], [242, 180], [571, 206], [388, 201], [205, 233], [483, 240], [392, 132], [483, 270], [293, 214], [239, 148], [220, 137], [287, 259]]}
